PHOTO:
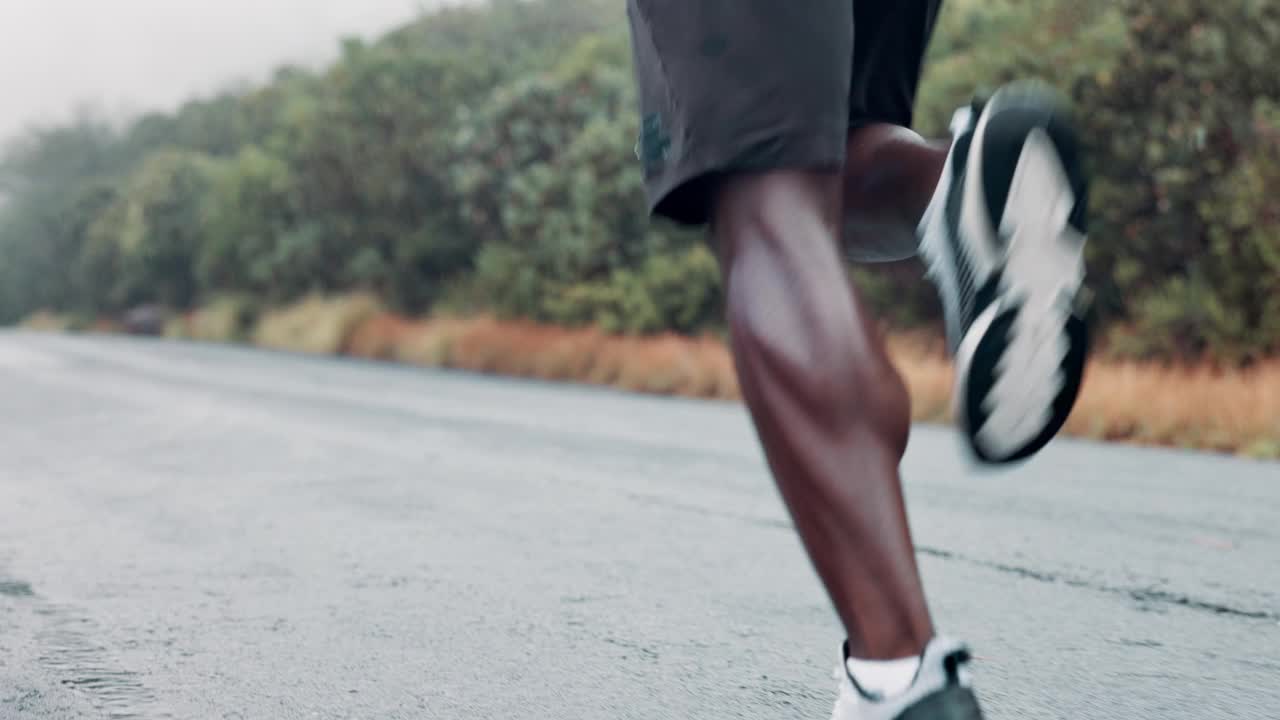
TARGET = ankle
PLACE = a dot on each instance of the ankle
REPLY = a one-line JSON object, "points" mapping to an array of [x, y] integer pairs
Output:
{"points": [[910, 642]]}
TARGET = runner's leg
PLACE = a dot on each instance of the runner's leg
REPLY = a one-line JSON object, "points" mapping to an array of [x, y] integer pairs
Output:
{"points": [[745, 122], [745, 107], [831, 412]]}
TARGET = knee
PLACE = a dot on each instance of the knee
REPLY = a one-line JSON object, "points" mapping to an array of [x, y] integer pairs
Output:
{"points": [[753, 210]]}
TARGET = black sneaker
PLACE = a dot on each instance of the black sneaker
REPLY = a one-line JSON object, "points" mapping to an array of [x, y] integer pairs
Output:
{"points": [[1004, 242], [941, 690]]}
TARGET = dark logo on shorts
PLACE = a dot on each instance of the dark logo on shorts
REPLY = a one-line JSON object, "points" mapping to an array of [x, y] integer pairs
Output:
{"points": [[654, 143]]}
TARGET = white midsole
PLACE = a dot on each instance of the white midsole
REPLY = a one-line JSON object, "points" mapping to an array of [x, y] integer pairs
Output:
{"points": [[964, 362], [1043, 272]]}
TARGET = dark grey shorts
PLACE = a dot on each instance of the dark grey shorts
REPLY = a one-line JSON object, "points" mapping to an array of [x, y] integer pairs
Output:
{"points": [[730, 86]]}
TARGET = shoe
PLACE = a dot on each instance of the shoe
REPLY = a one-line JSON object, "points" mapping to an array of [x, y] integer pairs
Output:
{"points": [[941, 690], [1004, 240]]}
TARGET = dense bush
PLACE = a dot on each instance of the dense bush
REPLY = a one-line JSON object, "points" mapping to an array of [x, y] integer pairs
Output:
{"points": [[1186, 140], [482, 158], [546, 173]]}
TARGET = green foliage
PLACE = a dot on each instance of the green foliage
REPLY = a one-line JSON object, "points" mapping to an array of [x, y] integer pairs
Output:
{"points": [[1187, 160], [142, 248], [483, 157], [670, 291], [227, 318], [53, 183], [250, 209], [981, 44], [546, 172]]}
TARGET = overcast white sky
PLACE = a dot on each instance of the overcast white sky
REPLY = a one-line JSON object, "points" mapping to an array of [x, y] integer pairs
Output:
{"points": [[134, 55]]}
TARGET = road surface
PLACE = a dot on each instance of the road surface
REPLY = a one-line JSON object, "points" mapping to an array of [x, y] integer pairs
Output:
{"points": [[202, 532]]}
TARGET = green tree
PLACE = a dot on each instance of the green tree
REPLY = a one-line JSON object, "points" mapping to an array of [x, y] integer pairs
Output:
{"points": [[53, 183], [549, 184], [1186, 158], [142, 248], [250, 209]]}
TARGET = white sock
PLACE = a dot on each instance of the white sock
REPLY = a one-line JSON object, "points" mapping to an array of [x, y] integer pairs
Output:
{"points": [[885, 678]]}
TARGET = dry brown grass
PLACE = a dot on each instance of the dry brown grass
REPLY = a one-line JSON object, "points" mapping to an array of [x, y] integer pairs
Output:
{"points": [[667, 364], [377, 336], [315, 325], [426, 343], [178, 327], [224, 320], [48, 321], [105, 326], [1202, 407], [1145, 403], [1198, 407], [923, 362]]}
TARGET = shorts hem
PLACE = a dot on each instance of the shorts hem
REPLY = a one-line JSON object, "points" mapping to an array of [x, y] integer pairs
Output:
{"points": [[685, 191], [861, 121]]}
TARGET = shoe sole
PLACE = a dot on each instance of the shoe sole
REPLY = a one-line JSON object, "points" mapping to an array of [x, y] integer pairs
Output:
{"points": [[1021, 363], [953, 703]]}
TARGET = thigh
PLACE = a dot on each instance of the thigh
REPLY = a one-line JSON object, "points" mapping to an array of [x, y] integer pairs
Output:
{"points": [[891, 38], [734, 86]]}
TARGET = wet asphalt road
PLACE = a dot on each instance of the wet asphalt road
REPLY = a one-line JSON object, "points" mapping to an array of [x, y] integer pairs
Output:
{"points": [[200, 532]]}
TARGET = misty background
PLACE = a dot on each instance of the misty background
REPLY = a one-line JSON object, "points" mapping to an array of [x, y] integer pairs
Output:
{"points": [[126, 57], [479, 163]]}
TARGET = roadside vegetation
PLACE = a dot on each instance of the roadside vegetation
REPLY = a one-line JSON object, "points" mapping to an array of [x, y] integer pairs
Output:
{"points": [[475, 168], [1231, 410]]}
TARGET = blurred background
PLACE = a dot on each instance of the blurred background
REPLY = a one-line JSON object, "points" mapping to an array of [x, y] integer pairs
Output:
{"points": [[456, 186]]}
